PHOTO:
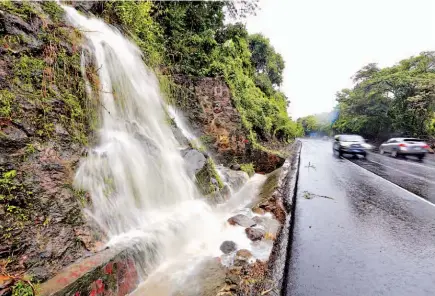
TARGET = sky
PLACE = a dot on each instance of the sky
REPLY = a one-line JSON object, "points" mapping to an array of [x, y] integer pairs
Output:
{"points": [[324, 42]]}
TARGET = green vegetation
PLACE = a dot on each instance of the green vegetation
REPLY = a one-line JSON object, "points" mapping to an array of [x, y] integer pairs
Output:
{"points": [[208, 179], [248, 168], [393, 101], [6, 103], [7, 185], [135, 17], [23, 288], [190, 38], [319, 123], [50, 74], [53, 10]]}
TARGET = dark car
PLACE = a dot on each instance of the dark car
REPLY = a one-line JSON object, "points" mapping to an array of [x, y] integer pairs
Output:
{"points": [[405, 146], [350, 144]]}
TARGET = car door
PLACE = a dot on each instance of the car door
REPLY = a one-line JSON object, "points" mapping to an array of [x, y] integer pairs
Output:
{"points": [[389, 145]]}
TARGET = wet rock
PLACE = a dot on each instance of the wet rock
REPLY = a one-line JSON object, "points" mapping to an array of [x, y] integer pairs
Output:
{"points": [[53, 167], [228, 247], [235, 179], [195, 161], [244, 254], [241, 220], [181, 139], [259, 220], [235, 167], [233, 275], [12, 138], [258, 211], [242, 257], [59, 130], [255, 234], [85, 6], [13, 24], [220, 196], [39, 274]]}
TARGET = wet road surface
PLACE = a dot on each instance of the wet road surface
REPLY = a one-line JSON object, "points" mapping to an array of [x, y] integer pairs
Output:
{"points": [[356, 233], [409, 173]]}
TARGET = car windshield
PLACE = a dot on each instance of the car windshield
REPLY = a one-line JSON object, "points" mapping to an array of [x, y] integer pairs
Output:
{"points": [[351, 138]]}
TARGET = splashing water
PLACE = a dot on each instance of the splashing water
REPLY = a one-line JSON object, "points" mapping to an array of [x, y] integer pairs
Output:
{"points": [[141, 194]]}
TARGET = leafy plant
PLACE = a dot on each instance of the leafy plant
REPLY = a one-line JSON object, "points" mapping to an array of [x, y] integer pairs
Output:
{"points": [[248, 168], [22, 288]]}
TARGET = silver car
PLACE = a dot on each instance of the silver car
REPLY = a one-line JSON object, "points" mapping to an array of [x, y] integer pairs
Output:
{"points": [[405, 146], [350, 144]]}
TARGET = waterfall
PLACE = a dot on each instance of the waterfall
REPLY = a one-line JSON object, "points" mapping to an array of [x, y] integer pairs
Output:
{"points": [[140, 192]]}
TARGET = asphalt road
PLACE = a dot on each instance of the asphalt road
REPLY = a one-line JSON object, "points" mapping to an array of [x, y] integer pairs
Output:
{"points": [[409, 173], [357, 233]]}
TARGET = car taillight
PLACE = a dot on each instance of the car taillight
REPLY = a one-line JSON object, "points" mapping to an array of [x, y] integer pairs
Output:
{"points": [[426, 146], [402, 145]]}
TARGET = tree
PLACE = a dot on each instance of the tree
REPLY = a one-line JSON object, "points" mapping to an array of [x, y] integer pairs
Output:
{"points": [[265, 59], [397, 100], [309, 124]]}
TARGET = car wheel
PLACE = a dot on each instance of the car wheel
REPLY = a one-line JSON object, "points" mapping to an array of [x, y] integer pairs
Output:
{"points": [[364, 154], [381, 151], [420, 157], [394, 153], [340, 153]]}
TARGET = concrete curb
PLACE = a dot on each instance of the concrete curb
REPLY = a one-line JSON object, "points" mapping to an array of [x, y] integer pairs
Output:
{"points": [[281, 250]]}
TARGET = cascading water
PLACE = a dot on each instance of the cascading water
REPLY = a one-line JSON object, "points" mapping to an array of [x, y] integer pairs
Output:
{"points": [[140, 191]]}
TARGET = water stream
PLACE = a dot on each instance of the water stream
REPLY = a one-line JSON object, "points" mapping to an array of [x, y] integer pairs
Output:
{"points": [[140, 191]]}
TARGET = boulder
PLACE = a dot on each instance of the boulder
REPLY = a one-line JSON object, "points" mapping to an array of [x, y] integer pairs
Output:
{"points": [[235, 179], [195, 161], [241, 220], [255, 234], [228, 247]]}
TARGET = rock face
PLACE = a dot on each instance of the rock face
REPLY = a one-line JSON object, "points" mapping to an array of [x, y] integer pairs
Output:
{"points": [[255, 234], [209, 107], [228, 247], [44, 124], [241, 220]]}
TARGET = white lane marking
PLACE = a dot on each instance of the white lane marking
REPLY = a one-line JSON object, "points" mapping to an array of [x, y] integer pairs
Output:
{"points": [[402, 172], [408, 162], [395, 185]]}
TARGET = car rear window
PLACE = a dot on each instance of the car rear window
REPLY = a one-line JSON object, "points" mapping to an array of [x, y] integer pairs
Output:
{"points": [[412, 140], [351, 138]]}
